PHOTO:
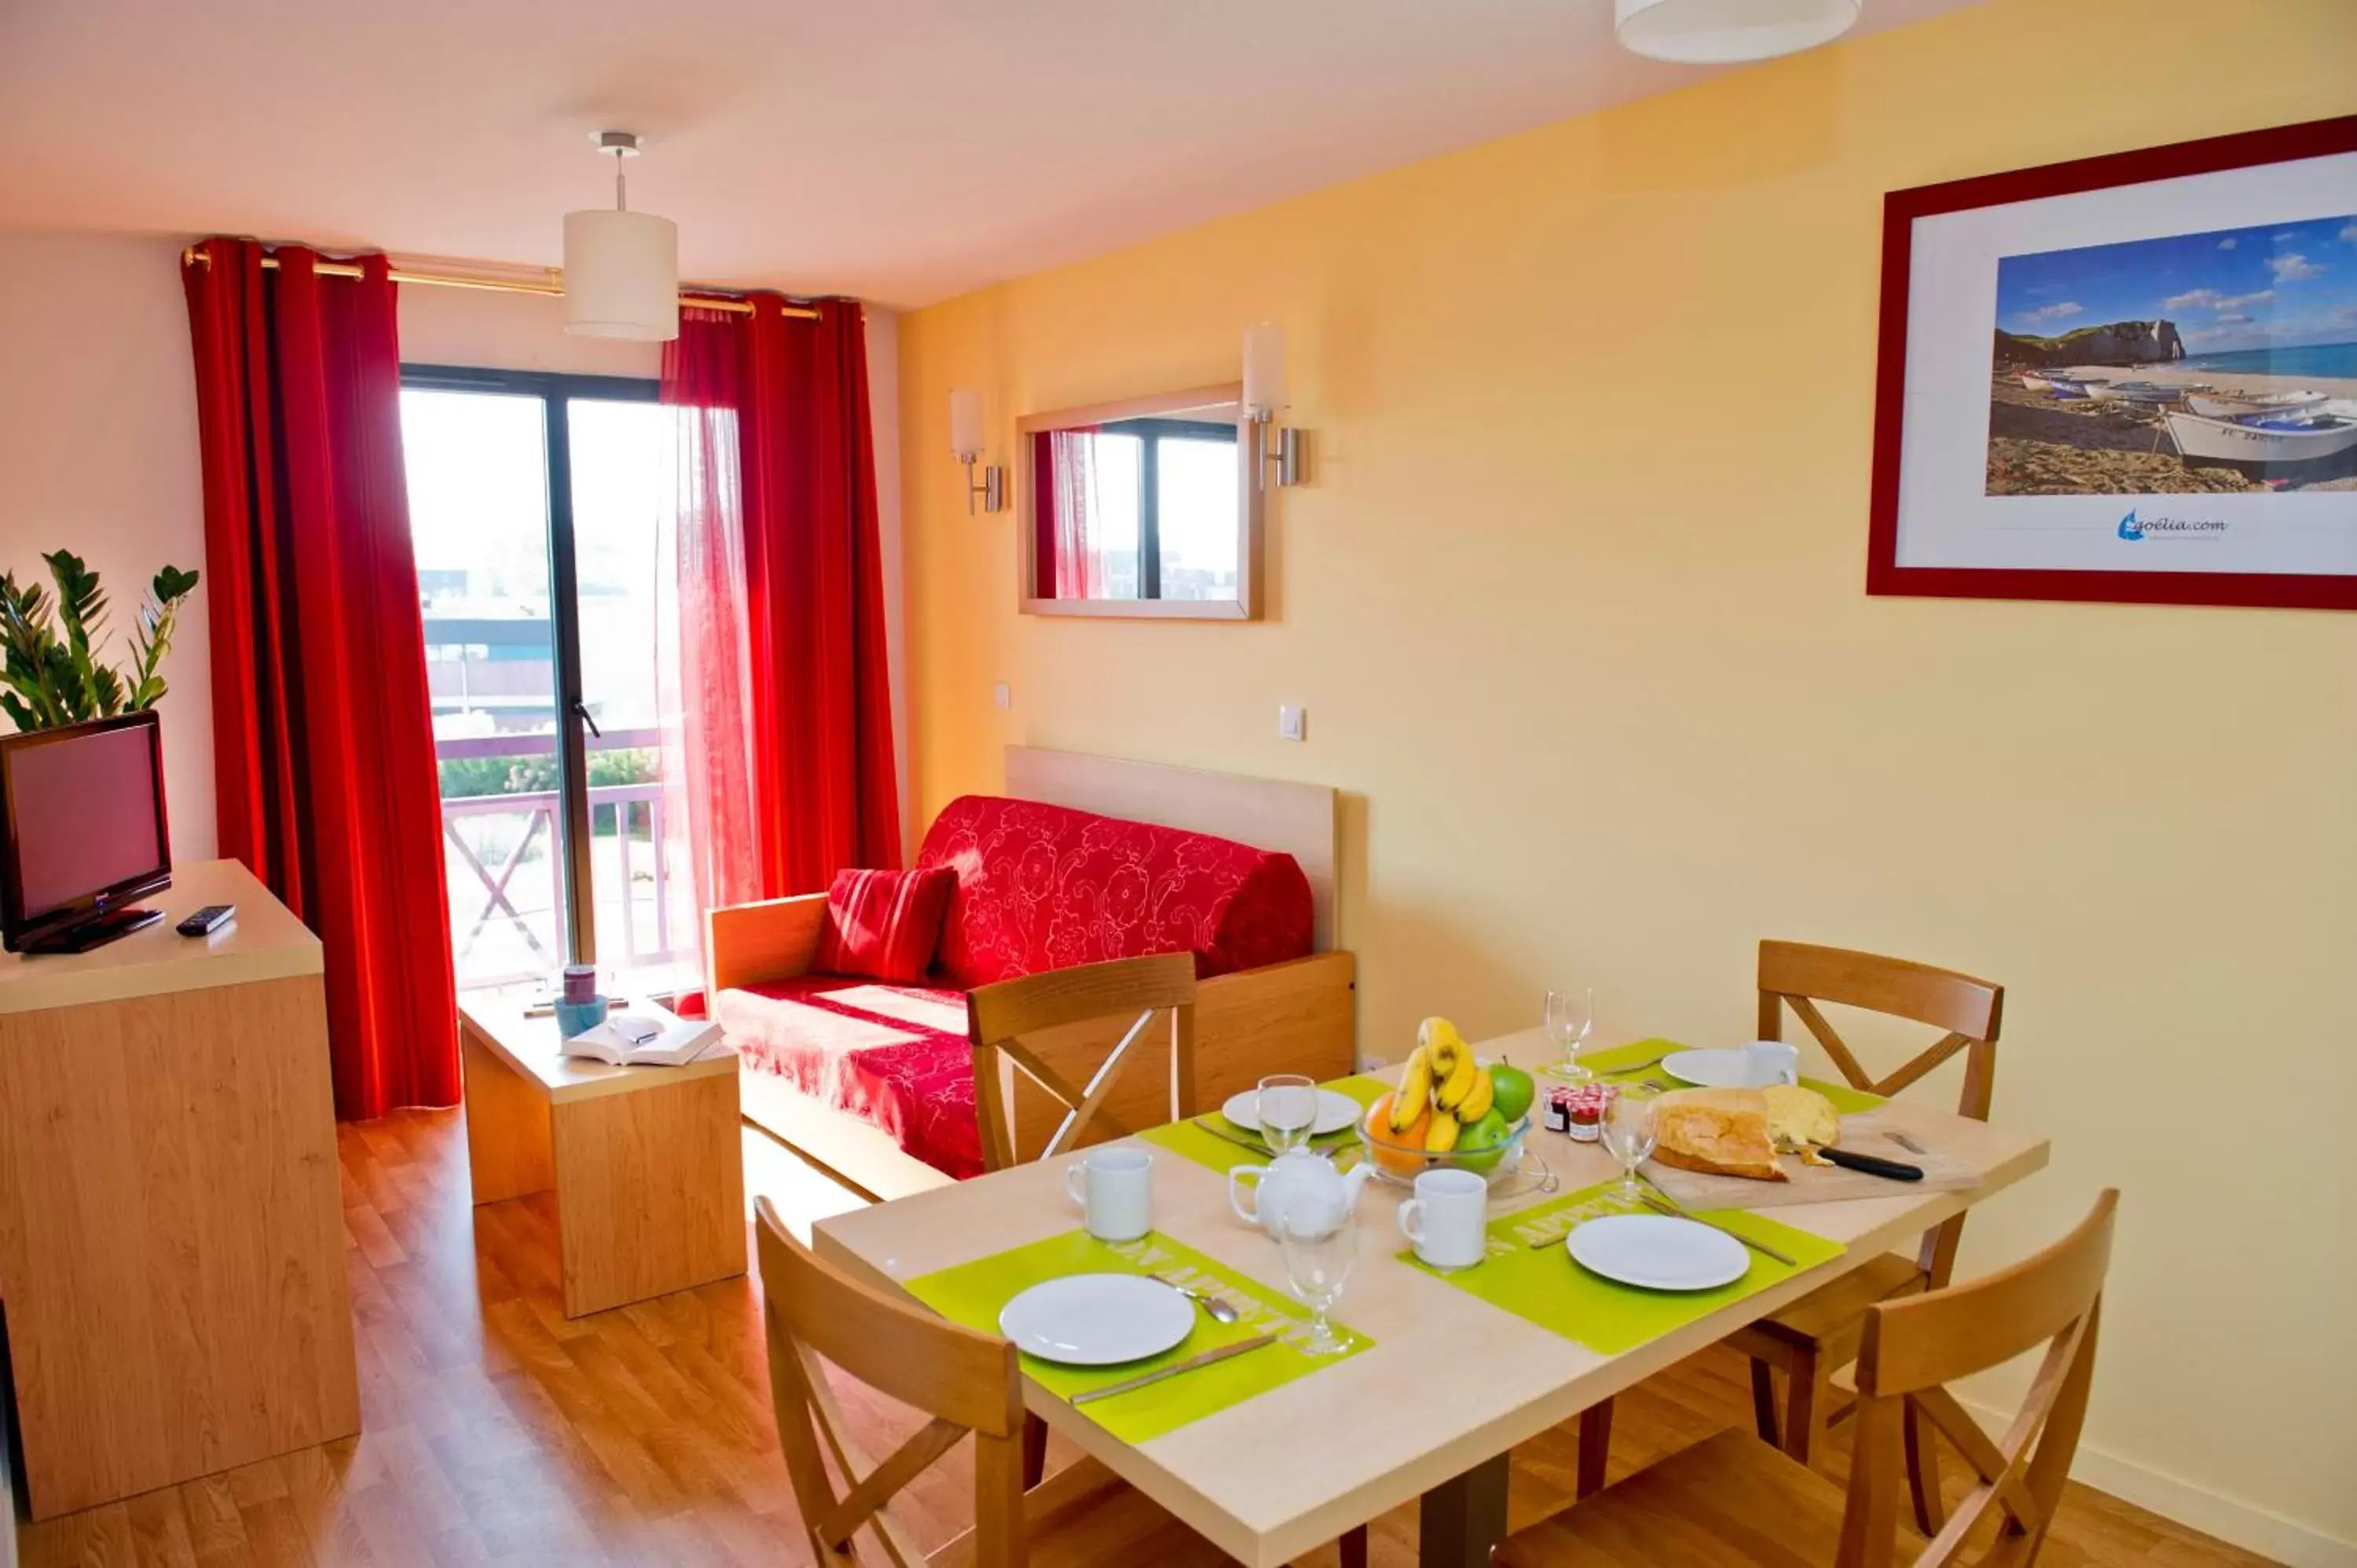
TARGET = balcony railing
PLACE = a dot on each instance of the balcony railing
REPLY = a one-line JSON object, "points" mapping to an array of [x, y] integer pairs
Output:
{"points": [[502, 930]]}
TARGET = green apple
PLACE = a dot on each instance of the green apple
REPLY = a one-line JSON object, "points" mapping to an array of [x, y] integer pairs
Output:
{"points": [[1511, 1091], [1480, 1146]]}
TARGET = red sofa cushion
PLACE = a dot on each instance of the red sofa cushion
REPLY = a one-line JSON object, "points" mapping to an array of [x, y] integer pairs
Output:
{"points": [[884, 924], [894, 1055], [1042, 888]]}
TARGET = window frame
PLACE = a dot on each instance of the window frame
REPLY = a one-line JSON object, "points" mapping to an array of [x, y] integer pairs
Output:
{"points": [[556, 390]]}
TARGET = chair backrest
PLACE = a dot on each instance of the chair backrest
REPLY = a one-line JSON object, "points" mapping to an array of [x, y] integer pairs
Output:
{"points": [[1000, 1016], [1798, 975], [966, 1382], [1914, 1346]]}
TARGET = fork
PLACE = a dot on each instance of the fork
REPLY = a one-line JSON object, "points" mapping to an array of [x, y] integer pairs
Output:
{"points": [[1661, 1202], [1221, 1309]]}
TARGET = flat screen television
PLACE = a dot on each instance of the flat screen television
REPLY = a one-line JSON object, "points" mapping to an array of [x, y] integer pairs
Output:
{"points": [[85, 834]]}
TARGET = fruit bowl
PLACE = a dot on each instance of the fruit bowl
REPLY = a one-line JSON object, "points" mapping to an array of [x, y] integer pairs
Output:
{"points": [[1400, 1163]]}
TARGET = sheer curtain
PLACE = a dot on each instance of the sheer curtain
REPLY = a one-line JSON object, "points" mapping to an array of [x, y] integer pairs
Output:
{"points": [[702, 659], [1066, 460], [777, 761]]}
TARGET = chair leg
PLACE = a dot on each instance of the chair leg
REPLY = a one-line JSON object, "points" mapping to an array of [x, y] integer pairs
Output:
{"points": [[1806, 1389], [1035, 1450], [1923, 1471], [1352, 1548], [1763, 1399], [1595, 1447]]}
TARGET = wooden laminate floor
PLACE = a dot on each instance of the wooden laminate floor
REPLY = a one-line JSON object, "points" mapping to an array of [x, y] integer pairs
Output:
{"points": [[496, 1431]]}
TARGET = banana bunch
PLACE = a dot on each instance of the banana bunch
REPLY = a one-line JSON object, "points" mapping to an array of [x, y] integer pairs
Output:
{"points": [[1443, 1091]]}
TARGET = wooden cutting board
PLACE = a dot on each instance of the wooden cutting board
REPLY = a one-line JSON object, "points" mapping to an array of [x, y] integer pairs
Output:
{"points": [[1820, 1184]]}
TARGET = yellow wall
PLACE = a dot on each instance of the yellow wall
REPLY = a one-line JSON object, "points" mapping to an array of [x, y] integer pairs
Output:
{"points": [[1576, 608]]}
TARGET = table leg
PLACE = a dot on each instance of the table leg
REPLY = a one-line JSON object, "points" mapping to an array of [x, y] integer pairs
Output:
{"points": [[1460, 1519], [508, 1148]]}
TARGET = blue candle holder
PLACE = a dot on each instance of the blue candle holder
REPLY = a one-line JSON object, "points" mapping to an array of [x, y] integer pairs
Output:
{"points": [[578, 1017]]}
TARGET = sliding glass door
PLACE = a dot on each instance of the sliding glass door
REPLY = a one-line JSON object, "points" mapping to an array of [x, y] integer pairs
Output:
{"points": [[539, 507]]}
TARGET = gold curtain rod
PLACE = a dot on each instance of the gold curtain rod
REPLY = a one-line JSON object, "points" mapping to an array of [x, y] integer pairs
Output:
{"points": [[552, 288]]}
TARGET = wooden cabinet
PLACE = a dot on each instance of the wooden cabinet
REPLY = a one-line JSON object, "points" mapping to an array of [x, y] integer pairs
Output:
{"points": [[171, 1230]]}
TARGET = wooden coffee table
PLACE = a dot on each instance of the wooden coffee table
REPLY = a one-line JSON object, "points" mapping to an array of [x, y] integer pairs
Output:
{"points": [[647, 1161]]}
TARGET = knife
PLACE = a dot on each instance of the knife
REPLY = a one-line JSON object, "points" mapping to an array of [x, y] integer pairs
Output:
{"points": [[1238, 1139], [1206, 1359], [1872, 1164], [1324, 1144]]}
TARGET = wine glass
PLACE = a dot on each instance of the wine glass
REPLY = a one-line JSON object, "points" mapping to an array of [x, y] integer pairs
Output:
{"points": [[1570, 1014], [1321, 1241], [1287, 1109], [1628, 1135]]}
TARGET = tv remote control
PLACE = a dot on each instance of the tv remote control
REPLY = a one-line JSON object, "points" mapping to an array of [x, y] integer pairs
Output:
{"points": [[207, 920]]}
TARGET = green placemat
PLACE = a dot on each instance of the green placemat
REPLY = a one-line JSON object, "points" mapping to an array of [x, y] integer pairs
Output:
{"points": [[1640, 1057], [973, 1293], [1210, 1149], [1542, 1285]]}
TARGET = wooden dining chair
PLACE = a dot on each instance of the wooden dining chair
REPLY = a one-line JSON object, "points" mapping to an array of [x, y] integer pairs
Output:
{"points": [[1813, 1338], [1004, 1023], [967, 1383], [1734, 1501]]}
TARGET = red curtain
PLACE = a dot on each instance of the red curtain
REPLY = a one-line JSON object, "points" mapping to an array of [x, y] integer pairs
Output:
{"points": [[323, 747], [819, 765]]}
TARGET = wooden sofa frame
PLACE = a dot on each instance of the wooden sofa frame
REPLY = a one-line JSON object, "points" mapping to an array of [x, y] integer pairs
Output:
{"points": [[1297, 1016]]}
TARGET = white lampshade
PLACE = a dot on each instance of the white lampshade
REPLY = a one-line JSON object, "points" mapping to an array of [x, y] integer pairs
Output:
{"points": [[621, 276], [1264, 367], [1723, 32], [966, 423]]}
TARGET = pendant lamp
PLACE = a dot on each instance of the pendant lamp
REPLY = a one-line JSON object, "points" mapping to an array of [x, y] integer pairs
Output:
{"points": [[621, 268], [1727, 32]]}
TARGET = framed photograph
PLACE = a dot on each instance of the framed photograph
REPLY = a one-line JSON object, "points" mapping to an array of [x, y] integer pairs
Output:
{"points": [[2127, 377]]}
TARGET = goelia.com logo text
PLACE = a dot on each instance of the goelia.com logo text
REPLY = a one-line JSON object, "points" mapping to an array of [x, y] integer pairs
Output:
{"points": [[2132, 527]]}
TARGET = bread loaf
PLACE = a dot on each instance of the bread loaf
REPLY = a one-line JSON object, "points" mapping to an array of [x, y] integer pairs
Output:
{"points": [[1719, 1131], [1740, 1131]]}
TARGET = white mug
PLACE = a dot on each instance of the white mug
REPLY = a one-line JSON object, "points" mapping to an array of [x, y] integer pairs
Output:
{"points": [[1447, 1220], [1114, 1188], [1770, 1062]]}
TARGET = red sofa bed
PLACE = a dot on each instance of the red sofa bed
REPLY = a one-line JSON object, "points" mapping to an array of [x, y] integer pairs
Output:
{"points": [[1037, 887]]}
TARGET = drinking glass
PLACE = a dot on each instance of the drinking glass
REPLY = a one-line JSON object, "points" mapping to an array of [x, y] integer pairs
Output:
{"points": [[1629, 1135], [1570, 1014], [1321, 1241], [1287, 1109]]}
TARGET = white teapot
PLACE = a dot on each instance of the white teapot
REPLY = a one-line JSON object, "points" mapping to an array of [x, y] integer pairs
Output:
{"points": [[1299, 1176]]}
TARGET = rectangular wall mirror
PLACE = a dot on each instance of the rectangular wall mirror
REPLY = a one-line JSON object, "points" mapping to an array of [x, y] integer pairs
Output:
{"points": [[1142, 508]]}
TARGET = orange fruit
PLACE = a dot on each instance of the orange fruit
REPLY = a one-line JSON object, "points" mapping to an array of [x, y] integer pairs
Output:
{"points": [[1402, 1154]]}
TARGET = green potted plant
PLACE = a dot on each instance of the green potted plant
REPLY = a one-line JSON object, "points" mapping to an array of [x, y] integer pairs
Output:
{"points": [[54, 680]]}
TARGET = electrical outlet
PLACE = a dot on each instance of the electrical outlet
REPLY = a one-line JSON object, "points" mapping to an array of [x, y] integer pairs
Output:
{"points": [[1289, 723], [1002, 696]]}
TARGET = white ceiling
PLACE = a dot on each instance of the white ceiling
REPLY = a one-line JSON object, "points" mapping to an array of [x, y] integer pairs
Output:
{"points": [[903, 150]]}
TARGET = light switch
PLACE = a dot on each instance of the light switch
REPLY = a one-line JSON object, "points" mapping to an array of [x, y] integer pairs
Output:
{"points": [[1289, 721], [1002, 696]]}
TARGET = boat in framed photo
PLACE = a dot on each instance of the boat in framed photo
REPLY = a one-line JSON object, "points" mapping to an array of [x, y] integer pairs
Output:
{"points": [[2275, 441], [2237, 406]]}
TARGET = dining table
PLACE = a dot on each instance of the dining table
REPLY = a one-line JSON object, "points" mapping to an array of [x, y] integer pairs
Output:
{"points": [[1445, 1379]]}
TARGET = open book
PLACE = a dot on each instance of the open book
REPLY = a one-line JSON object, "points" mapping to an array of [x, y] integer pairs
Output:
{"points": [[644, 1036]]}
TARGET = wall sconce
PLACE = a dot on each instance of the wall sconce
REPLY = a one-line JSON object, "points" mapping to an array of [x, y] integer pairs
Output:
{"points": [[965, 444], [1281, 446]]}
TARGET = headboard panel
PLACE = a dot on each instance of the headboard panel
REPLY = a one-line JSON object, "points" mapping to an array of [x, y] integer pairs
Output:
{"points": [[1267, 813]]}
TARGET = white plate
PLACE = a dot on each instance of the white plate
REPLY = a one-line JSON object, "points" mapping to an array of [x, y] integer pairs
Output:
{"points": [[1097, 1320], [1710, 1069], [1336, 1110], [1658, 1252]]}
